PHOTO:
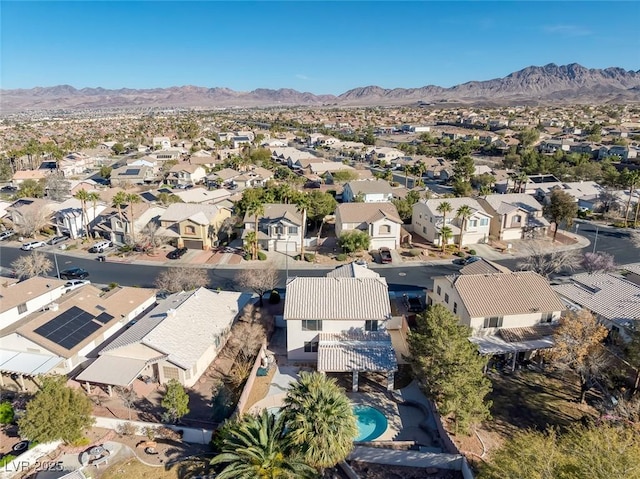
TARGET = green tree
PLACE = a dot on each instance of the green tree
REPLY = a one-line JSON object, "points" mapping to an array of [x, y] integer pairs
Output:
{"points": [[321, 204], [132, 199], [105, 171], [561, 207], [320, 420], [342, 176], [30, 189], [449, 367], [6, 412], [260, 156], [445, 235], [166, 199], [118, 201], [175, 401], [631, 180], [83, 196], [5, 169], [463, 169], [528, 137], [461, 188], [56, 412], [464, 212], [258, 447], [94, 197], [255, 209], [354, 241], [118, 148]]}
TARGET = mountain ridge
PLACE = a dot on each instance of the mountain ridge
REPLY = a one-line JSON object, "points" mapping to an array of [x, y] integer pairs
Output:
{"points": [[532, 84]]}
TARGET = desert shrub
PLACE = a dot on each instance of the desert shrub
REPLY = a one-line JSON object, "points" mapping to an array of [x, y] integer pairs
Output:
{"points": [[47, 231], [461, 254], [309, 257], [81, 442], [415, 252], [472, 252], [126, 429], [7, 413], [341, 257], [262, 256]]}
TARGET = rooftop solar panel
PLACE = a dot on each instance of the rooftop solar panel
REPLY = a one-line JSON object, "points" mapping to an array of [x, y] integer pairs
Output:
{"points": [[69, 328], [104, 318]]}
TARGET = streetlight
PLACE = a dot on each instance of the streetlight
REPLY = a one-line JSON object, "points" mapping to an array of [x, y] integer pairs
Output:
{"points": [[595, 240], [55, 259]]}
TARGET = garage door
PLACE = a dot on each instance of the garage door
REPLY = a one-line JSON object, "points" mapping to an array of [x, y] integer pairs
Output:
{"points": [[194, 244]]}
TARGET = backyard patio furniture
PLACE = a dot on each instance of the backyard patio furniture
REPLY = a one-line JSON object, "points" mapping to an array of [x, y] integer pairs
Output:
{"points": [[151, 451]]}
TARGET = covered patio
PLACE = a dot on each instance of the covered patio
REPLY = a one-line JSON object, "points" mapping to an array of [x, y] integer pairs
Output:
{"points": [[357, 352], [22, 364], [112, 371], [511, 341]]}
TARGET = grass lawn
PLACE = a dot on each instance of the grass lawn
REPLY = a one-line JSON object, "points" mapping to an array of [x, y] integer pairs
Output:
{"points": [[134, 469]]}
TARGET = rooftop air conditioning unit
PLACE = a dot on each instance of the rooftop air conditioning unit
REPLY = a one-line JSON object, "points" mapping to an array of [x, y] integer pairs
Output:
{"points": [[54, 307]]}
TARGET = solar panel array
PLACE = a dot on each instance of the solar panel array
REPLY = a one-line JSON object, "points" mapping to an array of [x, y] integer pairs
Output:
{"points": [[71, 327]]}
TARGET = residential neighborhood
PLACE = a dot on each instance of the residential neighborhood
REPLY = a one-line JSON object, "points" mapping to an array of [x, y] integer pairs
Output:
{"points": [[225, 265]]}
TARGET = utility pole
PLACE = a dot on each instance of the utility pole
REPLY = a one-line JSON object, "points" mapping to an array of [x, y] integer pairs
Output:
{"points": [[595, 240], [55, 259]]}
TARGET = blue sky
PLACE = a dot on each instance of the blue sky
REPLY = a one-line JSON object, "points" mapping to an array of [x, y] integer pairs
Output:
{"points": [[321, 47]]}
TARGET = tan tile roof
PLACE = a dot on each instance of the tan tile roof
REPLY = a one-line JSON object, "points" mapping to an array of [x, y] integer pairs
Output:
{"points": [[13, 293], [484, 266], [119, 303], [337, 298], [370, 186], [275, 211], [502, 294], [367, 212]]}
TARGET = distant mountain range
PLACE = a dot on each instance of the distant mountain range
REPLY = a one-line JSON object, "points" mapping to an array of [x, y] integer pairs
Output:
{"points": [[533, 85]]}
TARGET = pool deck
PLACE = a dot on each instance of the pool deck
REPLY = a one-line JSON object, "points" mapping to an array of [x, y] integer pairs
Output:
{"points": [[403, 420]]}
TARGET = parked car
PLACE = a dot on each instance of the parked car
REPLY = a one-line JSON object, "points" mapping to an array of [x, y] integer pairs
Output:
{"points": [[9, 189], [74, 273], [75, 284], [6, 234], [385, 255], [177, 253], [57, 239], [414, 304], [100, 247], [32, 245], [467, 260]]}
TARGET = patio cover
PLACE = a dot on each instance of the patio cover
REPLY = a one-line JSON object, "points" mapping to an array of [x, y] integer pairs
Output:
{"points": [[497, 345], [29, 364], [350, 352], [112, 370]]}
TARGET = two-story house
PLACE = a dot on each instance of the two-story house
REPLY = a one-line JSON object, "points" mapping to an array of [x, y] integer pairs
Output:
{"points": [[514, 216], [509, 313], [133, 175], [196, 225], [340, 323], [380, 220], [115, 225], [367, 191], [427, 221], [186, 174], [70, 220], [280, 228]]}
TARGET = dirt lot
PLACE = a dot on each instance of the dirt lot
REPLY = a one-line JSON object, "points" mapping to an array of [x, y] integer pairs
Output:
{"points": [[526, 400]]}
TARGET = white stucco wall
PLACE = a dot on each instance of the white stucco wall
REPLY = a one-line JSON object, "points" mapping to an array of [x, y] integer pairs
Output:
{"points": [[34, 304]]}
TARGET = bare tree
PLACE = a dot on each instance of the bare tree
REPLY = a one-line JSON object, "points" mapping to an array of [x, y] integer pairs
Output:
{"points": [[258, 280], [30, 265], [57, 187], [227, 227], [546, 263], [32, 221], [598, 262], [578, 346], [174, 280], [634, 236], [128, 397], [149, 236]]}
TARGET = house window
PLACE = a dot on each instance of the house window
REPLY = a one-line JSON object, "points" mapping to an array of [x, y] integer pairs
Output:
{"points": [[517, 219], [424, 229], [484, 221], [493, 322], [439, 291], [546, 317], [293, 230], [473, 223], [446, 298], [170, 373], [311, 347], [455, 307], [430, 219], [279, 230], [371, 325], [190, 230], [22, 308], [384, 230], [312, 325]]}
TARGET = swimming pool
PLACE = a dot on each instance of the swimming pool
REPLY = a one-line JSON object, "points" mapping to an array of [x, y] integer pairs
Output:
{"points": [[371, 423]]}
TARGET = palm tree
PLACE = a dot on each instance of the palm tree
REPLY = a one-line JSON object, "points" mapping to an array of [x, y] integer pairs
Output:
{"points": [[522, 179], [83, 196], [464, 212], [632, 180], [445, 235], [94, 197], [320, 420], [444, 208], [257, 447], [255, 209], [132, 198], [118, 201]]}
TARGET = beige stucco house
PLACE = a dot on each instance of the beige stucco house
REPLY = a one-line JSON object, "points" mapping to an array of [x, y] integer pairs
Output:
{"points": [[380, 220], [194, 226]]}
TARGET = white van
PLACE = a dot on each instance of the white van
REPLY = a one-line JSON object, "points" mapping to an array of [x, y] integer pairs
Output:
{"points": [[100, 247]]}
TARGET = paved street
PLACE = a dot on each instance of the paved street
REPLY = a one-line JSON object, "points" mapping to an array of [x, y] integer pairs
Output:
{"points": [[399, 277]]}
